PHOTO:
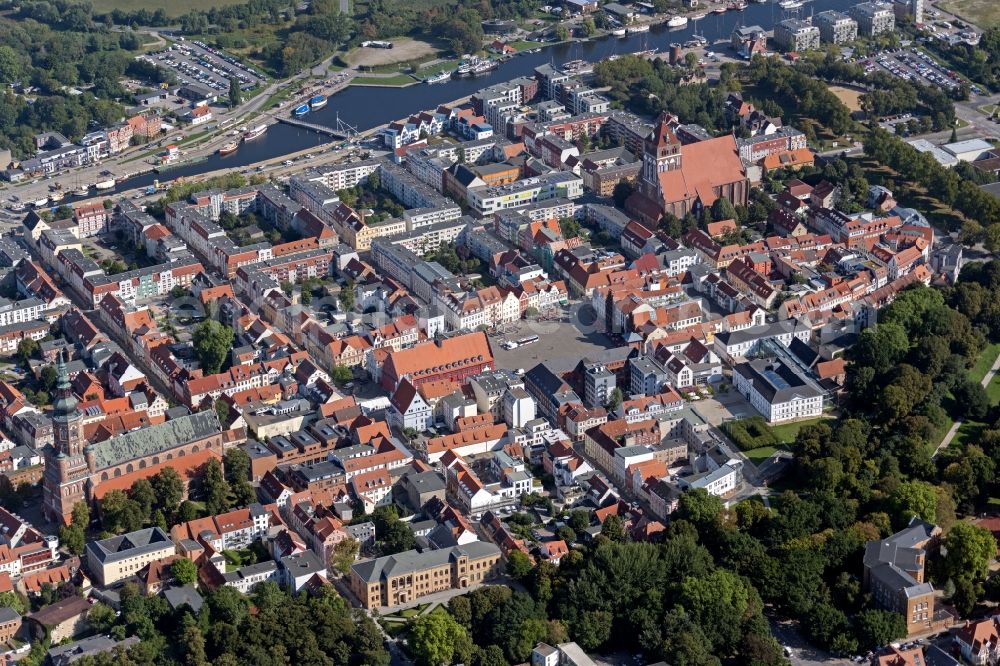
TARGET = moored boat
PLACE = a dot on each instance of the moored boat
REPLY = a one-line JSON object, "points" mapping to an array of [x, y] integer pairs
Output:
{"points": [[317, 102], [300, 110], [229, 148], [619, 32], [439, 77], [634, 29], [677, 21], [255, 132]]}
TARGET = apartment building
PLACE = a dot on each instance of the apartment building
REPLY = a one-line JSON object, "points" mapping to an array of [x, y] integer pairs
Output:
{"points": [[486, 201], [873, 18], [835, 27], [796, 35]]}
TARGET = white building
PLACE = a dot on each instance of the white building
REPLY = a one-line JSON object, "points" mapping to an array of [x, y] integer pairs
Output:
{"points": [[777, 390]]}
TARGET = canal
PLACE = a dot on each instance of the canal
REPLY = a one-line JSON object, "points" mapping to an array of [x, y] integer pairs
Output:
{"points": [[367, 107]]}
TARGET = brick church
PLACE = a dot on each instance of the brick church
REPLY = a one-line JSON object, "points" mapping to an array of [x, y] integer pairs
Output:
{"points": [[682, 179], [76, 470]]}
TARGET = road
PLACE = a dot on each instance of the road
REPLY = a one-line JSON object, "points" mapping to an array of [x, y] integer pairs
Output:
{"points": [[958, 424]]}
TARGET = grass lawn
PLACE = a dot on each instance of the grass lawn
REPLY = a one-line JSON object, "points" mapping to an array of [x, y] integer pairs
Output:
{"points": [[993, 389], [389, 81], [987, 109], [443, 66], [173, 8], [984, 13], [968, 433], [787, 431], [984, 362], [757, 456], [524, 45]]}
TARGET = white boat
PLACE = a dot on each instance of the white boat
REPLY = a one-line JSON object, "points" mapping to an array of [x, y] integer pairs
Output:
{"points": [[619, 32], [439, 77], [635, 29], [677, 21], [255, 133], [105, 184], [697, 17], [82, 191], [484, 66], [790, 4]]}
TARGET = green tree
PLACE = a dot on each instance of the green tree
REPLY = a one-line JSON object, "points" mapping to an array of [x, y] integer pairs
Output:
{"points": [[235, 94], [699, 508], [13, 600], [877, 628], [26, 349], [461, 609], [615, 399], [718, 603], [433, 638], [11, 65], [215, 488], [119, 513], [212, 342], [970, 548], [614, 528], [346, 297], [569, 227], [74, 535], [142, 493], [184, 571], [344, 554], [48, 377], [341, 374], [623, 190], [237, 465], [915, 498], [169, 489], [222, 411], [518, 564], [593, 629], [723, 209], [194, 647], [397, 537], [101, 617]]}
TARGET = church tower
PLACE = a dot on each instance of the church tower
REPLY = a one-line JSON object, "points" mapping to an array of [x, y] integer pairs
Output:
{"points": [[66, 469], [661, 152]]}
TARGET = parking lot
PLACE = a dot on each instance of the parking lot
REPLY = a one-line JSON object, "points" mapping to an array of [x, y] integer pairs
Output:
{"points": [[914, 65], [196, 62]]}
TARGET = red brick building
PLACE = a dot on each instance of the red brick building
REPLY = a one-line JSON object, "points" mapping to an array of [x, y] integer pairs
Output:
{"points": [[453, 359]]}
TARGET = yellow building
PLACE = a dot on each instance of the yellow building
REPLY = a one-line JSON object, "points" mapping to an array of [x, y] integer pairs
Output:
{"points": [[401, 578], [111, 560]]}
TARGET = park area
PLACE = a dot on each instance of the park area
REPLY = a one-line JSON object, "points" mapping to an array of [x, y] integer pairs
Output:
{"points": [[759, 440], [984, 13]]}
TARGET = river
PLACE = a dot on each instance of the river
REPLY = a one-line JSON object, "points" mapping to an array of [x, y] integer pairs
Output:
{"points": [[366, 107]]}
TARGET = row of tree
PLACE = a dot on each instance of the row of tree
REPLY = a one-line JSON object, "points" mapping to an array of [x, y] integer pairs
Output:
{"points": [[269, 628]]}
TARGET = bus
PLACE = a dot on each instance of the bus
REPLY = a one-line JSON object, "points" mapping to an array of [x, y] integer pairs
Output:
{"points": [[527, 340]]}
